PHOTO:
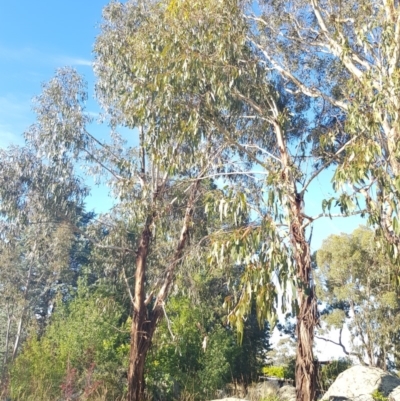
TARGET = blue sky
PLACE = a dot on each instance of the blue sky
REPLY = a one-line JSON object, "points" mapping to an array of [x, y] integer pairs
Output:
{"points": [[37, 37]]}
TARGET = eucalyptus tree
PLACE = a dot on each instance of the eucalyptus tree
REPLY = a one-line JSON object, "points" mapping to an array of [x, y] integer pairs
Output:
{"points": [[135, 53], [344, 57], [151, 196], [196, 73], [36, 245], [155, 183], [355, 279]]}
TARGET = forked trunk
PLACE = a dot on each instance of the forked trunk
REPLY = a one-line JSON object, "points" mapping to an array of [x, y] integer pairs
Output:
{"points": [[144, 320]]}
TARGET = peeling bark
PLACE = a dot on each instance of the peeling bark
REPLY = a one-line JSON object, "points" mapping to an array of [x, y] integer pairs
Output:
{"points": [[144, 321], [307, 318]]}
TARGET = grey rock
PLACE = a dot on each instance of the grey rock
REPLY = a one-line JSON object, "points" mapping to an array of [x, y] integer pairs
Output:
{"points": [[287, 393], [395, 394], [359, 382]]}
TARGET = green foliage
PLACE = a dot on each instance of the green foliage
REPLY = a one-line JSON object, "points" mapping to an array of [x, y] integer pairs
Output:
{"points": [[84, 349], [379, 396], [186, 54], [331, 371], [274, 371], [271, 398], [195, 353], [264, 105], [290, 369]]}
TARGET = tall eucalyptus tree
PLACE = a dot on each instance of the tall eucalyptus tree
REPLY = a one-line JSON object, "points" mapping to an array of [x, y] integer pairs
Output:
{"points": [[151, 197], [139, 86], [192, 73], [344, 56]]}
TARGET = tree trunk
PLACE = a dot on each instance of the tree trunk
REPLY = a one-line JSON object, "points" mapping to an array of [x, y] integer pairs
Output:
{"points": [[140, 341], [144, 322], [307, 318], [21, 319]]}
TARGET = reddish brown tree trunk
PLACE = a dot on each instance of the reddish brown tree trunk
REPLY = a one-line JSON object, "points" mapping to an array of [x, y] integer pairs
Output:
{"points": [[307, 317], [144, 321], [139, 340], [142, 331]]}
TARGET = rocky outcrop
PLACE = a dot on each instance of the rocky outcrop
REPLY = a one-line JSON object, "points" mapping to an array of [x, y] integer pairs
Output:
{"points": [[359, 383]]}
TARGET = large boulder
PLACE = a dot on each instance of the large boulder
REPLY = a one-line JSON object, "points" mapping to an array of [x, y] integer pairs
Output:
{"points": [[359, 382]]}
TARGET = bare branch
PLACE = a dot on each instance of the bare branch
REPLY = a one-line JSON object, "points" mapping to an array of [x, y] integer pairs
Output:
{"points": [[340, 344], [263, 151], [168, 321], [128, 287], [318, 216]]}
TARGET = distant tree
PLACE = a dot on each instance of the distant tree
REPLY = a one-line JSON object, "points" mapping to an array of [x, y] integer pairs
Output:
{"points": [[356, 282], [40, 254], [330, 371], [282, 353]]}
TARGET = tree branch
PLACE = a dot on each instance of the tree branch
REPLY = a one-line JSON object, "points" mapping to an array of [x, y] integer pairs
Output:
{"points": [[340, 344], [311, 92], [128, 286]]}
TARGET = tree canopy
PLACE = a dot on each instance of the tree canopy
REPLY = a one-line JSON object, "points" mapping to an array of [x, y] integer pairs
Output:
{"points": [[357, 285]]}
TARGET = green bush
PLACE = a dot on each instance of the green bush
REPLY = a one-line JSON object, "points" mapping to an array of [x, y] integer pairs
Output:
{"points": [[83, 350], [274, 371], [178, 364], [379, 396]]}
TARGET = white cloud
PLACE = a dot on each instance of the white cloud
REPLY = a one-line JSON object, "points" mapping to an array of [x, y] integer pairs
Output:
{"points": [[22, 53], [64, 60], [31, 54]]}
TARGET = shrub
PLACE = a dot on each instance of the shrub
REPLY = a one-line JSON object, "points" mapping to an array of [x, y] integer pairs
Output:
{"points": [[274, 371], [83, 350]]}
